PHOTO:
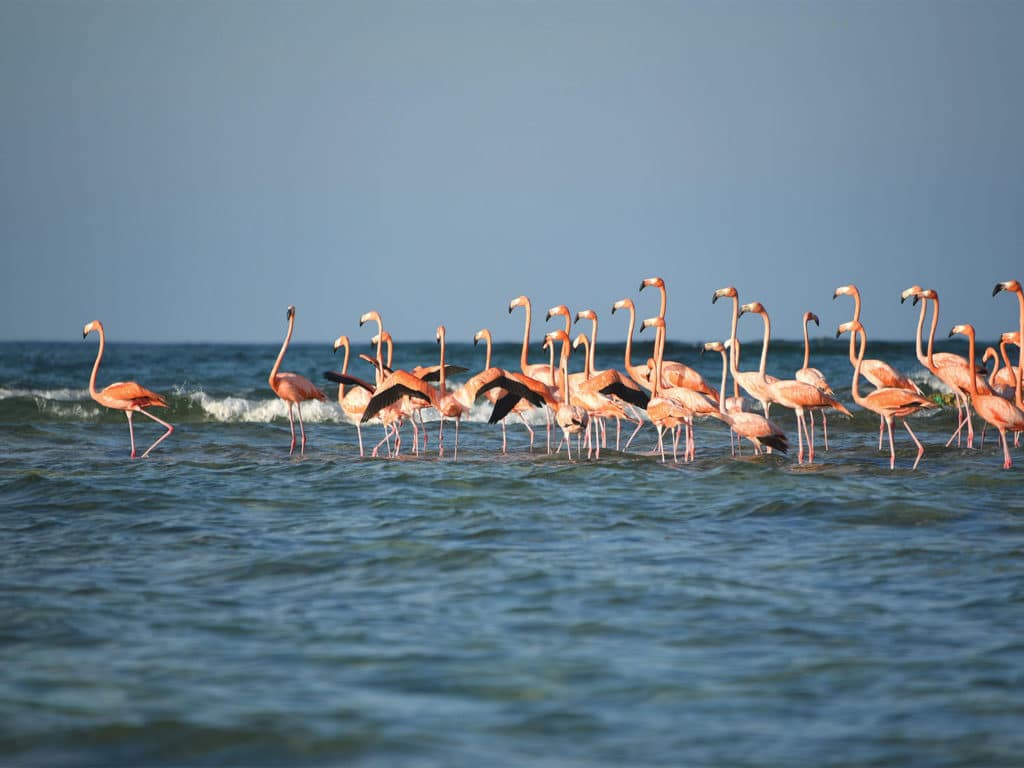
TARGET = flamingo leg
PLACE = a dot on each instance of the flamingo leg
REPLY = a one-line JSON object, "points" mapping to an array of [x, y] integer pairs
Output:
{"points": [[920, 448], [131, 431], [810, 436], [639, 425], [162, 437], [824, 428], [892, 446], [1007, 461], [359, 432], [799, 439], [291, 425], [302, 429], [618, 432], [881, 428], [440, 438], [528, 429], [504, 438], [455, 455]]}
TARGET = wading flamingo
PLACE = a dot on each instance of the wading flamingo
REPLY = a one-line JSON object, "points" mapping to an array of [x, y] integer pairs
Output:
{"points": [[127, 396], [293, 388], [793, 394], [753, 426], [813, 376], [353, 402], [598, 404], [1000, 413], [664, 412], [755, 383], [638, 373], [572, 419], [888, 402], [675, 373], [521, 408], [878, 373]]}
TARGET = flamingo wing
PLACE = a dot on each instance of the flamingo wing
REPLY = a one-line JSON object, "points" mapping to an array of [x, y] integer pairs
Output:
{"points": [[400, 384], [344, 378], [134, 393]]}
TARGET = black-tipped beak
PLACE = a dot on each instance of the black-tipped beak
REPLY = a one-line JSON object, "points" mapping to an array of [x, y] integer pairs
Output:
{"points": [[950, 333], [997, 289], [642, 284], [835, 294], [902, 299], [510, 309], [84, 334], [815, 319], [839, 331], [916, 299], [714, 298]]}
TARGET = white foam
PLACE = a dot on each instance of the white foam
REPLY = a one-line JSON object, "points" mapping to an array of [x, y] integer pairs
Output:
{"points": [[240, 409], [46, 394]]}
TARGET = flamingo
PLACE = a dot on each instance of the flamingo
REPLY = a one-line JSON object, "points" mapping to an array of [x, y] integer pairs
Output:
{"points": [[293, 388], [813, 376], [571, 418], [1014, 286], [353, 402], [597, 403], [127, 396], [1000, 413], [756, 428], [520, 408], [878, 373], [1006, 376], [693, 402], [755, 383], [791, 393], [638, 373], [888, 402], [953, 370], [611, 381], [664, 412], [677, 374], [539, 371]]}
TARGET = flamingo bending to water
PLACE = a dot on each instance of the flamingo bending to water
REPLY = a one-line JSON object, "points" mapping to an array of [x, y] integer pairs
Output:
{"points": [[293, 388], [127, 396]]}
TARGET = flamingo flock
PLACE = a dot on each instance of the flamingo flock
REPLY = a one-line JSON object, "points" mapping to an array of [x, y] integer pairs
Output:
{"points": [[670, 395]]}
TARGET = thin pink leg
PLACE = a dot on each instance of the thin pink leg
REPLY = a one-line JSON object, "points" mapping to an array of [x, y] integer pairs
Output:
{"points": [[302, 429], [359, 432], [1007, 461], [131, 431], [892, 446], [162, 437], [920, 448], [824, 428], [881, 428], [291, 425]]}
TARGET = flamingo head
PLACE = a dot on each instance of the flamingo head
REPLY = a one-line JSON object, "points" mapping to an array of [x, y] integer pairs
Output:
{"points": [[371, 315], [1010, 337], [439, 336], [518, 301], [754, 306], [558, 309], [712, 346], [95, 325], [727, 291], [913, 290], [580, 339], [483, 333], [1009, 285], [812, 316], [846, 290], [622, 304], [966, 329], [927, 293], [652, 322], [341, 341], [586, 314], [852, 325], [653, 282], [290, 313]]}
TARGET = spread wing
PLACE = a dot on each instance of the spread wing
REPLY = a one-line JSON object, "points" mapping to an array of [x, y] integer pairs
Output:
{"points": [[344, 378]]}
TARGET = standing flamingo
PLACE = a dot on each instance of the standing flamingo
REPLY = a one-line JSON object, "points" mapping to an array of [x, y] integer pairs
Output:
{"points": [[794, 394], [888, 402], [353, 402], [878, 373], [755, 383], [677, 374], [756, 428], [664, 412], [813, 376], [571, 418], [127, 396], [1000, 413], [521, 408], [293, 388]]}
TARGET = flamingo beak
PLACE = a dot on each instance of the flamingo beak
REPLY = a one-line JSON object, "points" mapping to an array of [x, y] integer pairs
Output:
{"points": [[815, 319], [999, 287]]}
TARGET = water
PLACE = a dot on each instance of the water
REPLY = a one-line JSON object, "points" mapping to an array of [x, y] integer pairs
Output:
{"points": [[222, 603]]}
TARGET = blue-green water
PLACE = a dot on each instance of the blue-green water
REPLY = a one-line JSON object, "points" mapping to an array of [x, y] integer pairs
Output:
{"points": [[223, 604]]}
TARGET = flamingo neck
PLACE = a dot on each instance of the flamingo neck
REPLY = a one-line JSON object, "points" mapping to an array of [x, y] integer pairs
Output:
{"points": [[733, 352], [931, 336], [721, 400], [970, 361], [664, 302], [854, 390], [856, 304], [523, 365], [344, 369], [592, 351], [629, 339], [487, 353], [807, 344], [551, 365], [284, 348], [564, 365], [1020, 346], [587, 369], [96, 365], [989, 352], [920, 332], [764, 344], [442, 381]]}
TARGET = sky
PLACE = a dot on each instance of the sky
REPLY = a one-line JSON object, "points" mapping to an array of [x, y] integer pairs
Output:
{"points": [[184, 171]]}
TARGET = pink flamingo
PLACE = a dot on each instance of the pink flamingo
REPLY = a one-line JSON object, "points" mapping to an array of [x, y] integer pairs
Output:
{"points": [[753, 426], [293, 388], [677, 374], [664, 412], [1000, 413], [353, 402], [127, 396], [794, 394], [572, 419], [598, 404], [878, 373], [755, 383], [813, 376], [888, 402], [521, 408], [638, 373]]}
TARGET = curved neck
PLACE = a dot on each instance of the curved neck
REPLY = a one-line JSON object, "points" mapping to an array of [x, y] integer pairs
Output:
{"points": [[587, 347], [807, 344], [96, 365], [1005, 355], [856, 304], [658, 351], [664, 301], [931, 335], [487, 354], [344, 369], [920, 332], [733, 353], [764, 344], [523, 365], [856, 368], [989, 352], [551, 365], [379, 374], [970, 362], [592, 351], [629, 338], [1020, 346], [284, 348], [564, 365]]}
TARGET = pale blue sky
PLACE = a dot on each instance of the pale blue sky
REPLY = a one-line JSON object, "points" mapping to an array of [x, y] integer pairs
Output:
{"points": [[185, 170]]}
